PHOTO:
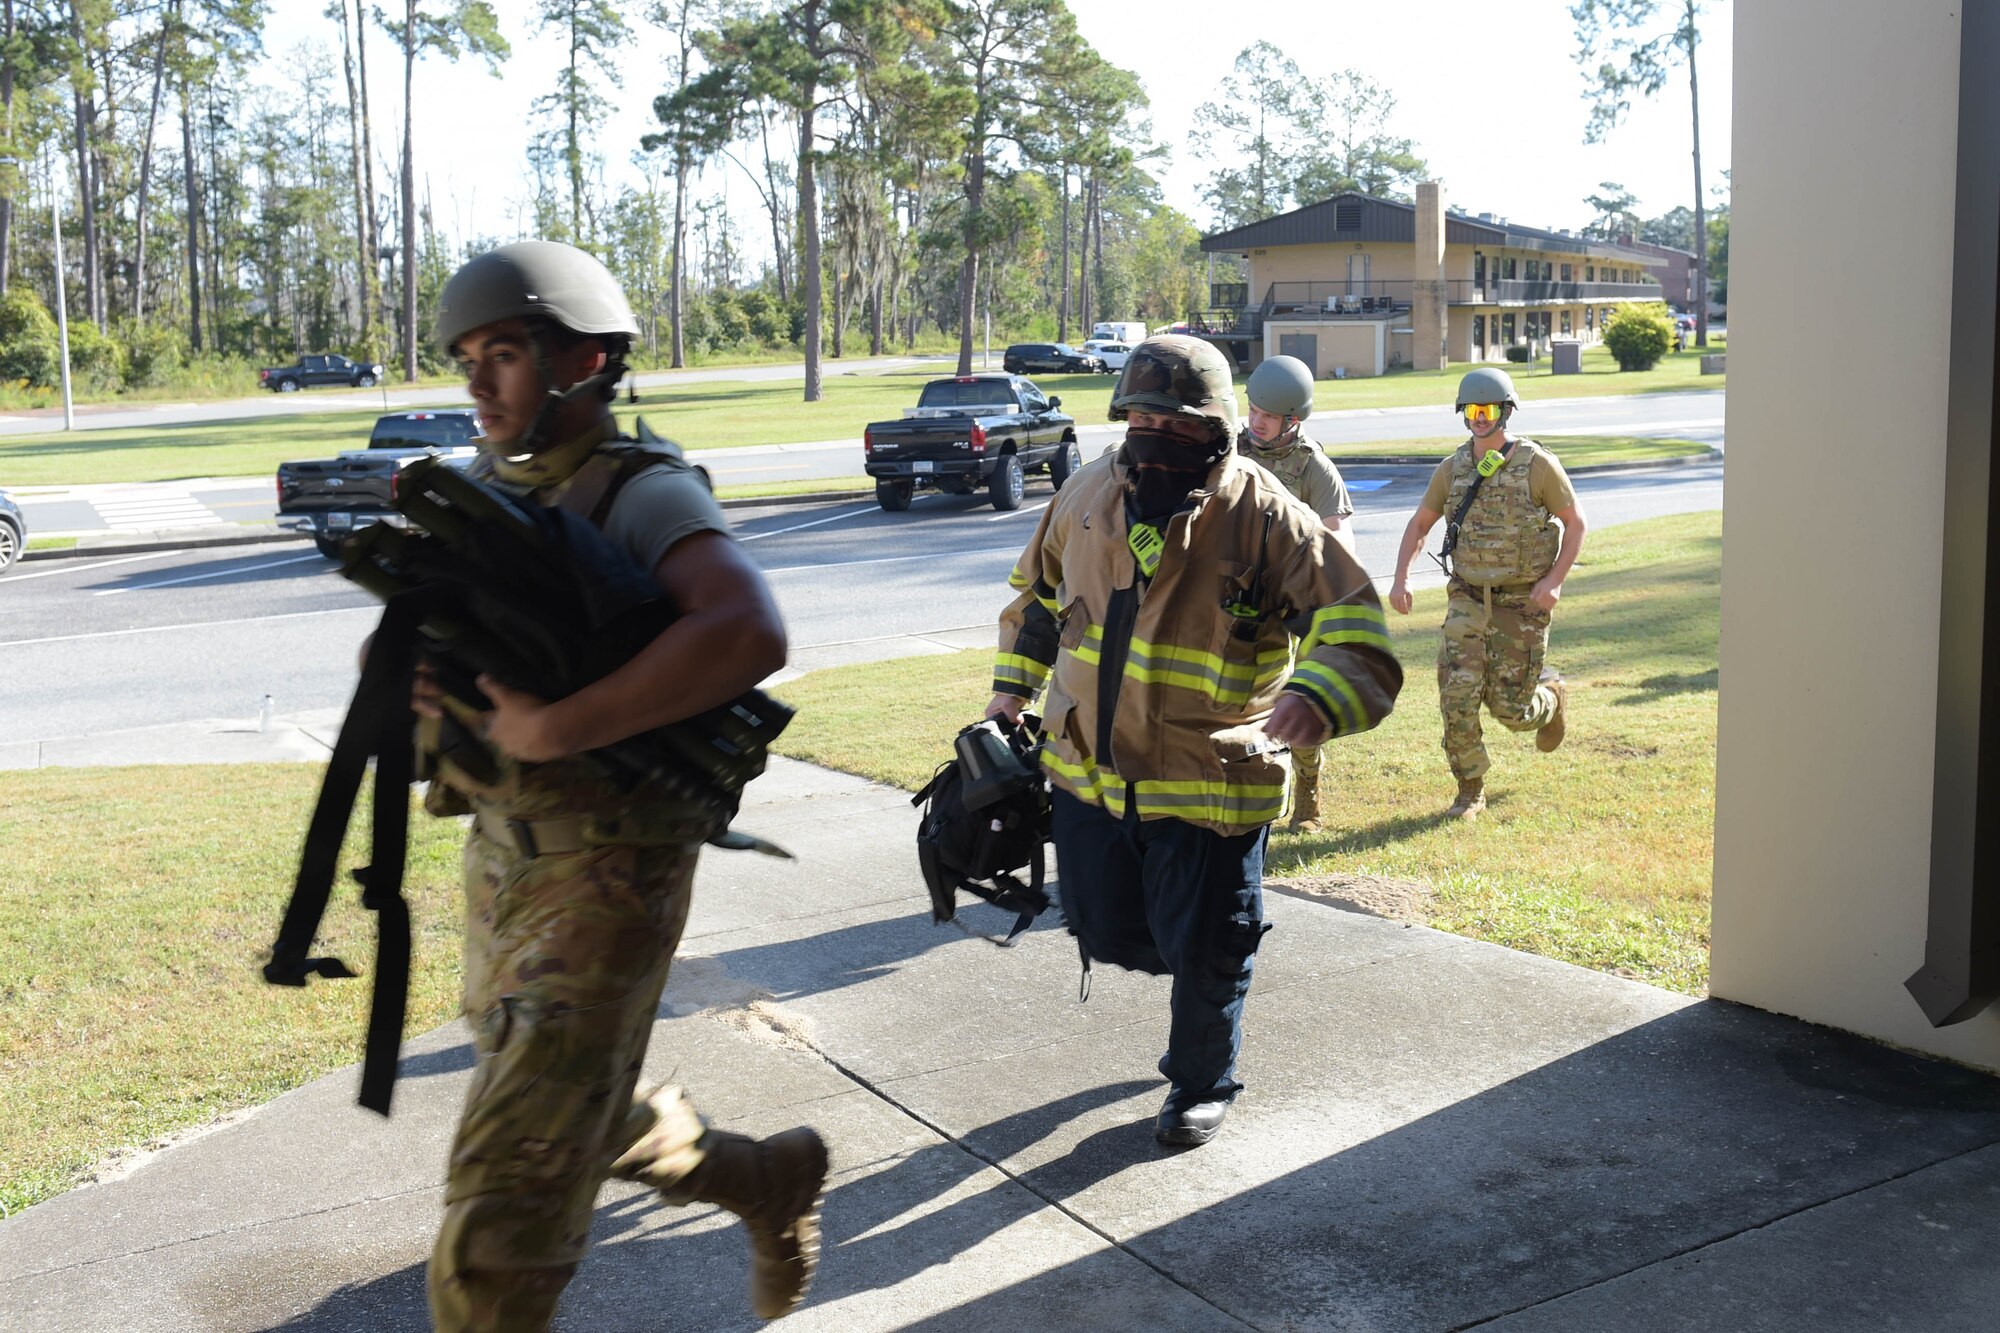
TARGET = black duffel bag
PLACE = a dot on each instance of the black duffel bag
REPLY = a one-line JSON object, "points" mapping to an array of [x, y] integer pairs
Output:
{"points": [[986, 822]]}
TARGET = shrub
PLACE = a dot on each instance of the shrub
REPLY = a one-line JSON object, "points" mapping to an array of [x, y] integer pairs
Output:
{"points": [[97, 360], [1639, 335], [1520, 353], [28, 346], [158, 354]]}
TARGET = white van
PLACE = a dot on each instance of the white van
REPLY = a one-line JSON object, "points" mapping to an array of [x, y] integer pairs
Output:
{"points": [[1132, 331]]}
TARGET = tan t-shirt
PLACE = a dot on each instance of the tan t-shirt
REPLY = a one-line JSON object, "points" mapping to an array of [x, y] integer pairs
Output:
{"points": [[657, 507], [1548, 485]]}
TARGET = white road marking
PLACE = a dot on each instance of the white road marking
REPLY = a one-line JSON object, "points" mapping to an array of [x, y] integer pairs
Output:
{"points": [[152, 506], [95, 564], [211, 574], [194, 624], [830, 518], [1031, 509], [891, 560]]}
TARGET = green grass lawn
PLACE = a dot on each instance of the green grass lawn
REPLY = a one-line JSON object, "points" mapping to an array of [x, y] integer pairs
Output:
{"points": [[136, 906], [717, 414], [1574, 451], [1598, 854]]}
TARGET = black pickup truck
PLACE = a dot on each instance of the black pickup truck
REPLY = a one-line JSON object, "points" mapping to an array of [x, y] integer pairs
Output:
{"points": [[331, 498], [971, 431], [319, 369]]}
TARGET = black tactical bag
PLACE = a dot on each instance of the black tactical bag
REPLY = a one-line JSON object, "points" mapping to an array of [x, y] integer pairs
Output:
{"points": [[544, 602], [985, 822]]}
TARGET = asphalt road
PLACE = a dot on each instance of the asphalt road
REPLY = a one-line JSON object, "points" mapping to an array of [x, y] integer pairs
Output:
{"points": [[101, 645], [1693, 416]]}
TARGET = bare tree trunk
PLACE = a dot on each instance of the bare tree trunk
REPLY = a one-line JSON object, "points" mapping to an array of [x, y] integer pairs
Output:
{"points": [[1089, 188], [809, 224], [363, 261], [773, 201], [368, 156], [678, 280], [1700, 209], [193, 223], [409, 194], [875, 316], [7, 132], [968, 270], [1062, 309], [574, 157], [87, 206], [146, 180]]}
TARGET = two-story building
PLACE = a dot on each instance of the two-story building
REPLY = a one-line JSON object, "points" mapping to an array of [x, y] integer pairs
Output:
{"points": [[1353, 285]]}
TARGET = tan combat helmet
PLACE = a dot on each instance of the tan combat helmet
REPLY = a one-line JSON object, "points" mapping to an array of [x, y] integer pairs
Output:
{"points": [[1486, 385], [534, 279], [1282, 386], [1177, 375]]}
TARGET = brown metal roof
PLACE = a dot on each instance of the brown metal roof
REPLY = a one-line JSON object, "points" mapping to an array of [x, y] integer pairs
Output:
{"points": [[1361, 217]]}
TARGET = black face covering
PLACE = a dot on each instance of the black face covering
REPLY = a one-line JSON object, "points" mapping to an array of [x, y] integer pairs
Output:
{"points": [[1165, 468]]}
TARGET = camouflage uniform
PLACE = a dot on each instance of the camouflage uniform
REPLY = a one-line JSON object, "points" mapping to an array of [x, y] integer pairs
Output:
{"points": [[1495, 636], [576, 892], [1311, 477]]}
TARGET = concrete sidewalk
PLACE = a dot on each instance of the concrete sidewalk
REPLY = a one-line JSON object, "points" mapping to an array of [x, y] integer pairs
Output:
{"points": [[1438, 1134]]}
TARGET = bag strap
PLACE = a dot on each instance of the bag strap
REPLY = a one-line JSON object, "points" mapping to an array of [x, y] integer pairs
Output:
{"points": [[378, 724]]}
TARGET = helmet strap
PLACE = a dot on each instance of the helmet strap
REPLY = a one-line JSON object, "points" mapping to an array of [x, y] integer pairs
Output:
{"points": [[604, 384]]}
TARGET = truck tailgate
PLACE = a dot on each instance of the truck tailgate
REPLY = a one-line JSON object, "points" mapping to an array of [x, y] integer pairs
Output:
{"points": [[316, 485]]}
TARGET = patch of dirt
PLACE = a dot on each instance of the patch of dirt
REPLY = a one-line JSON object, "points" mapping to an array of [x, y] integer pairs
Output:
{"points": [[1375, 895], [124, 1161], [765, 1021], [698, 983], [1619, 748]]}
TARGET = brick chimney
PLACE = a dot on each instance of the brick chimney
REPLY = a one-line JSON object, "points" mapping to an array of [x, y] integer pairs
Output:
{"points": [[1427, 304]]}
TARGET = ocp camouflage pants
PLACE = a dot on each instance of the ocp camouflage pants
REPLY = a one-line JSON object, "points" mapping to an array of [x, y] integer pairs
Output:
{"points": [[1490, 659], [565, 960]]}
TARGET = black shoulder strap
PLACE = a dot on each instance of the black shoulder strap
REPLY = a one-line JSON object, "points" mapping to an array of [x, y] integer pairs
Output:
{"points": [[379, 724], [1465, 505]]}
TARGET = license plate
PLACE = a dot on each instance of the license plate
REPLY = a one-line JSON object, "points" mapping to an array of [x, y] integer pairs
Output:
{"points": [[340, 522], [923, 467]]}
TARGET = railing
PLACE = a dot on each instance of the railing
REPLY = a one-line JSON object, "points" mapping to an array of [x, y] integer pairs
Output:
{"points": [[1340, 299], [1465, 291]]}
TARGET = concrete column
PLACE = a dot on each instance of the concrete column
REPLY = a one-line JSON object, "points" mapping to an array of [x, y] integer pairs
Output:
{"points": [[1830, 820], [1427, 302]]}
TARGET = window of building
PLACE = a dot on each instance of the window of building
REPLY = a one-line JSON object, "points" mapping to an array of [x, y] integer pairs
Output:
{"points": [[1590, 318], [1479, 335], [1509, 268], [1590, 273], [1507, 330], [1565, 318], [1569, 273]]}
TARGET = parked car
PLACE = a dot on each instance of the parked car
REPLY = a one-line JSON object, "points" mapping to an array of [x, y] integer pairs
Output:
{"points": [[970, 431], [1048, 358], [13, 532], [330, 499], [1113, 354], [319, 369]]}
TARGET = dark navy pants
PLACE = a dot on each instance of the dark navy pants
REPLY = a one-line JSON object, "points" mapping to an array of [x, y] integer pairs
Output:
{"points": [[1164, 896]]}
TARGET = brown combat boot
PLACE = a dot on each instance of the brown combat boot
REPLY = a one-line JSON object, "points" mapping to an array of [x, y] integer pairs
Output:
{"points": [[1471, 799], [774, 1185], [1550, 734], [1305, 807]]}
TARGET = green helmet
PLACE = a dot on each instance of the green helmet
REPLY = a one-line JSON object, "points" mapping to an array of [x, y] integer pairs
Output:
{"points": [[1282, 386], [1486, 385], [556, 282], [1179, 376]]}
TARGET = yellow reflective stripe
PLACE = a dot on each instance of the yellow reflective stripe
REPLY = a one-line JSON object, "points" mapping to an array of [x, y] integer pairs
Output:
{"points": [[1214, 664], [1017, 580], [1014, 669], [1347, 624], [1329, 686], [1245, 804]]}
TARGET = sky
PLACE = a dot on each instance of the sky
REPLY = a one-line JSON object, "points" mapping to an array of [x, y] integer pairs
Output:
{"points": [[1490, 93]]}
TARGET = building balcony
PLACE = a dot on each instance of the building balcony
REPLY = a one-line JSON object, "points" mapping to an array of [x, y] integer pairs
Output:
{"points": [[1230, 313]]}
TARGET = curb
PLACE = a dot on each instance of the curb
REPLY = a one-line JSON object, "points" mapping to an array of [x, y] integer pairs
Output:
{"points": [[194, 542]]}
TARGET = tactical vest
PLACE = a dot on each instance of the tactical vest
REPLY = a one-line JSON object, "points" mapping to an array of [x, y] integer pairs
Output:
{"points": [[463, 766], [1506, 537]]}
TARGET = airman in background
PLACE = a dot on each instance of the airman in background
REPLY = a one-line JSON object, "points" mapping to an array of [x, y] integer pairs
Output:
{"points": [[1507, 559], [1281, 398]]}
